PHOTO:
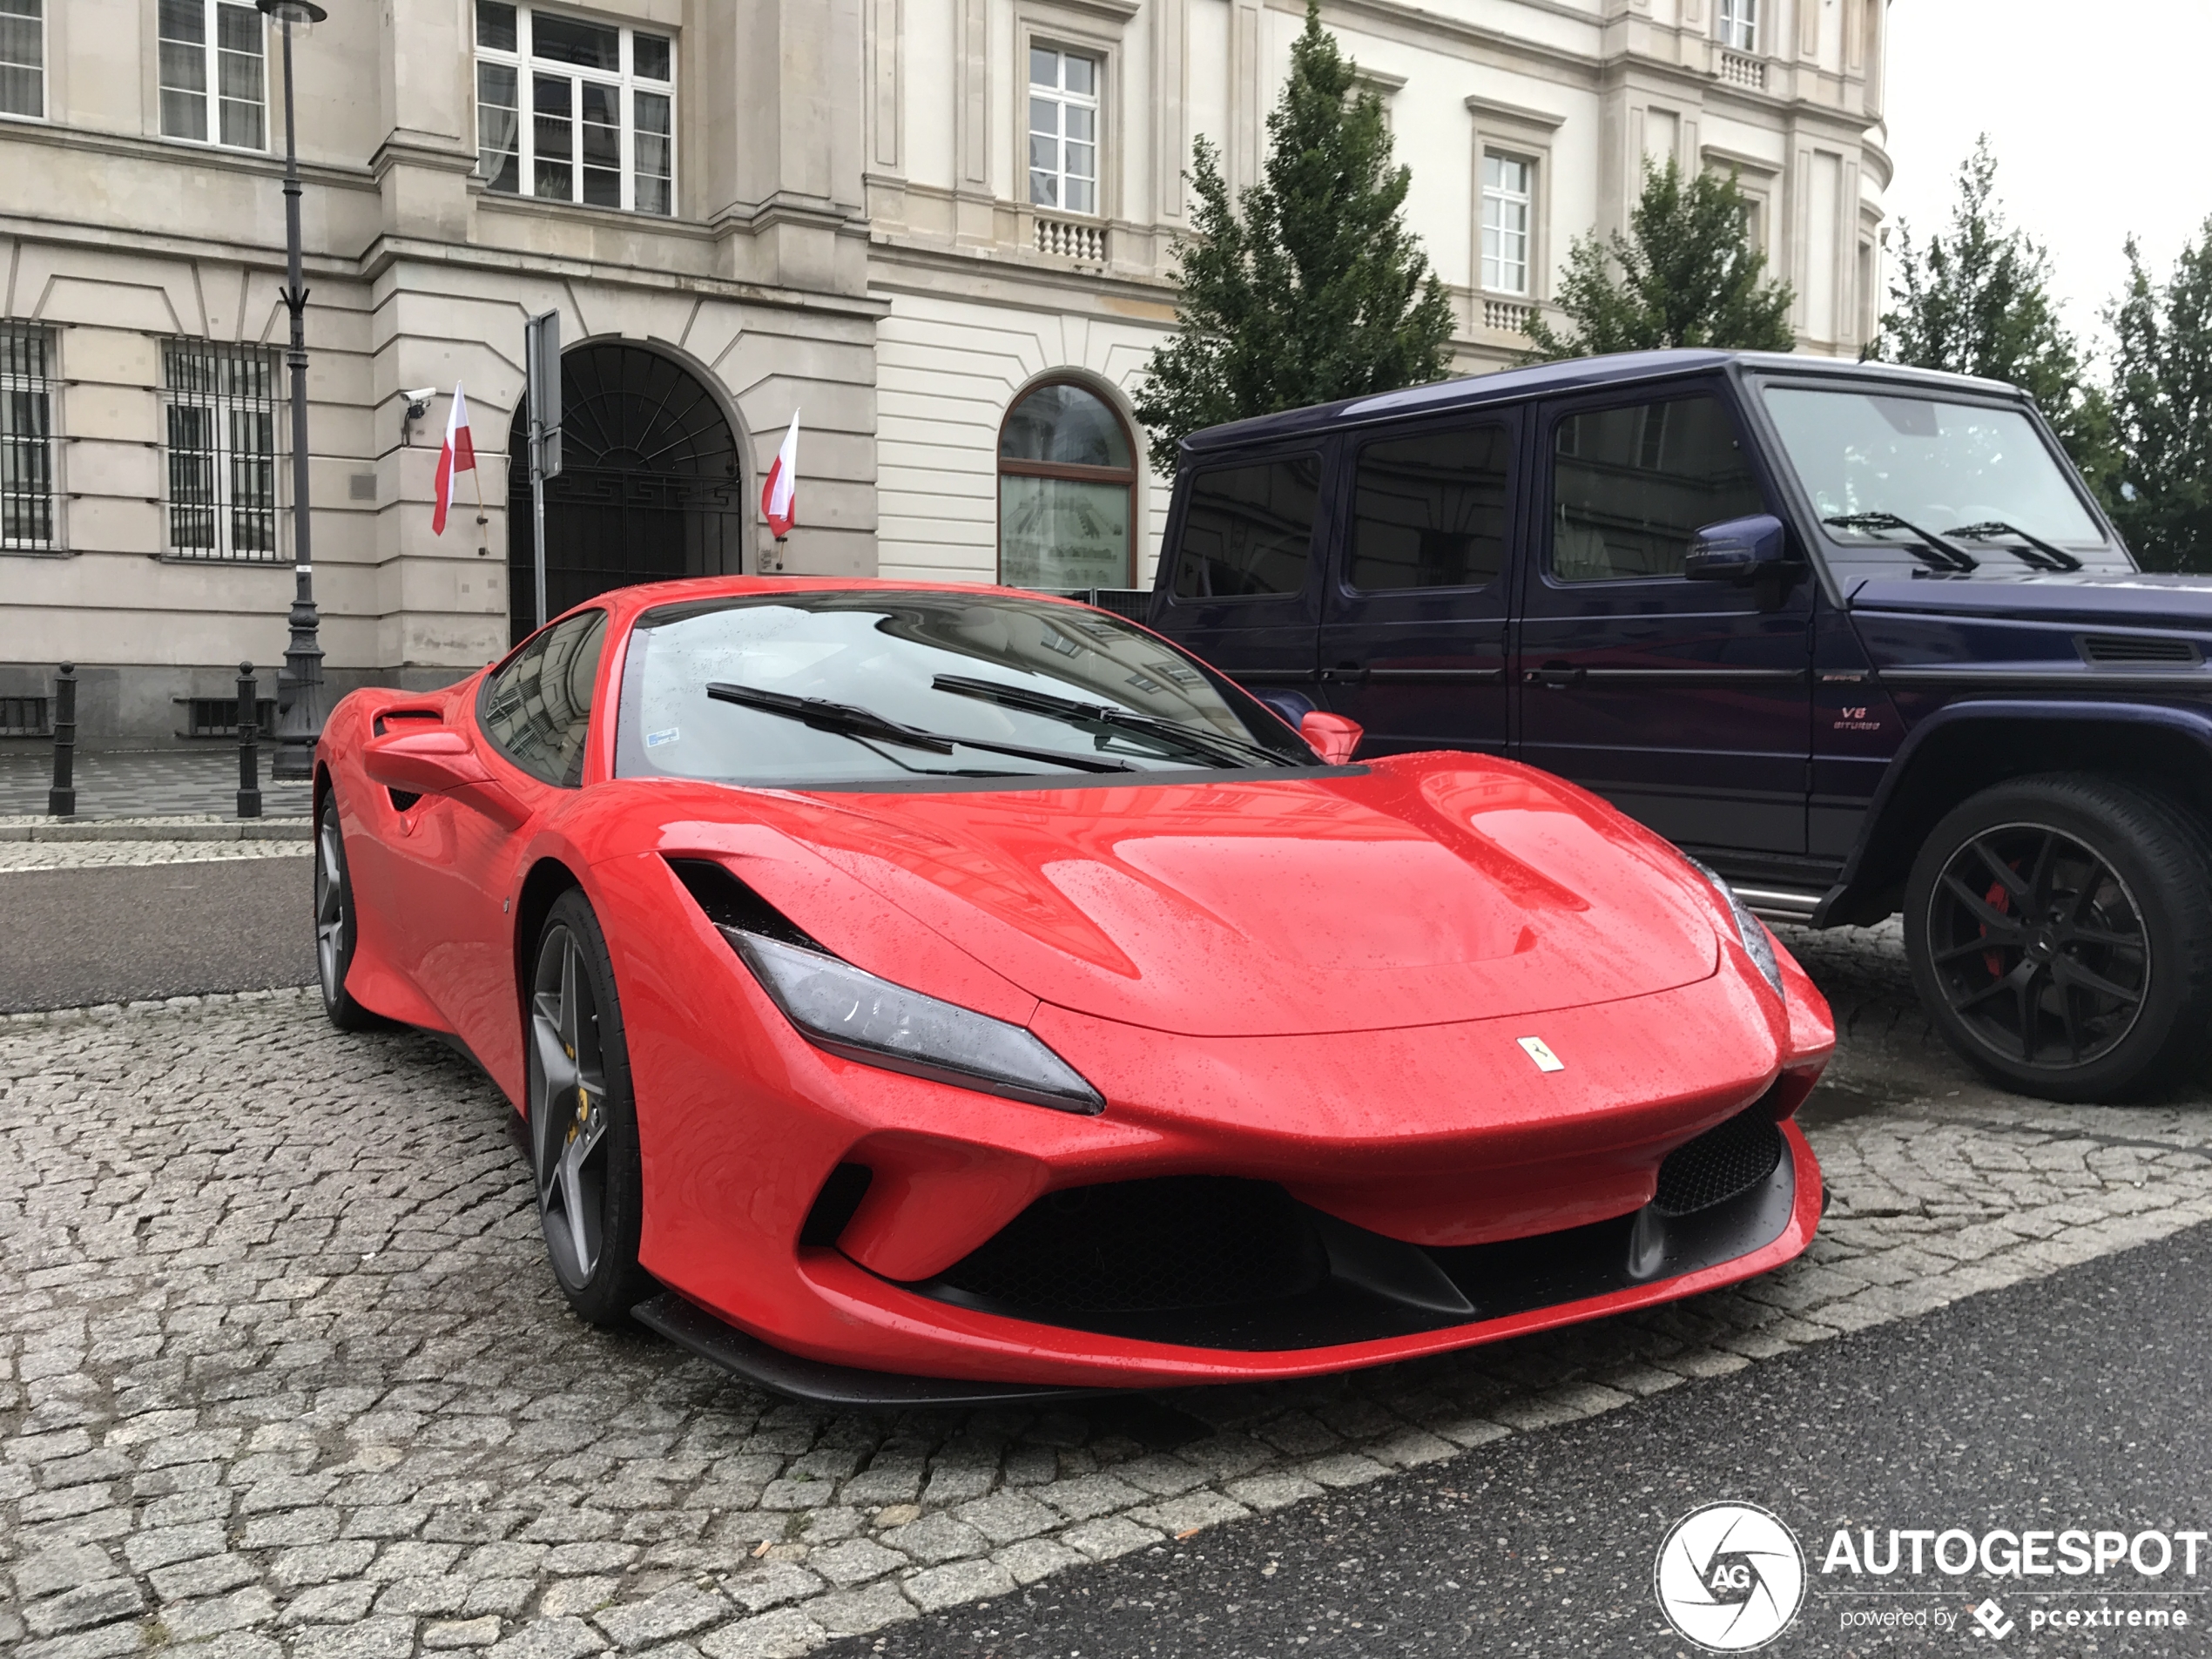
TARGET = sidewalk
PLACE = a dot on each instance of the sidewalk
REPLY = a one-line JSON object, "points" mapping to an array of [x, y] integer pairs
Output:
{"points": [[167, 783]]}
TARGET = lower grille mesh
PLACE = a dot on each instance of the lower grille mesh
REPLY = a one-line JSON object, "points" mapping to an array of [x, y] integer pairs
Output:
{"points": [[1728, 1159], [1173, 1243]]}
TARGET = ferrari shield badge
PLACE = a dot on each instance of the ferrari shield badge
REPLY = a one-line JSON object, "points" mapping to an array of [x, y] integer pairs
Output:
{"points": [[1540, 1051]]}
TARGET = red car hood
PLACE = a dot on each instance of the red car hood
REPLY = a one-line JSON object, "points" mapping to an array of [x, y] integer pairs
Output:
{"points": [[1434, 888]]}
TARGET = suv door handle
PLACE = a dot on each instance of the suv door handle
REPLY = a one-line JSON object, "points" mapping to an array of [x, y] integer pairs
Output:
{"points": [[1556, 676], [1346, 674]]}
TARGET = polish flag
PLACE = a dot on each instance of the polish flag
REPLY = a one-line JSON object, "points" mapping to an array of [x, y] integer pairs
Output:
{"points": [[779, 490], [458, 455]]}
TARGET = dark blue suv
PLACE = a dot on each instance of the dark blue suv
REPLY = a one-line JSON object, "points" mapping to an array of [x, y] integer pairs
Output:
{"points": [[1855, 636]]}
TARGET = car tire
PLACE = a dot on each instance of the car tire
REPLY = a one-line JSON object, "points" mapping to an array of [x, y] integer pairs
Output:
{"points": [[2059, 931], [337, 930], [582, 1121]]}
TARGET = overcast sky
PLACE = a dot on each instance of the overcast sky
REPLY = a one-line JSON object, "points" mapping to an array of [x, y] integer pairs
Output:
{"points": [[2097, 114]]}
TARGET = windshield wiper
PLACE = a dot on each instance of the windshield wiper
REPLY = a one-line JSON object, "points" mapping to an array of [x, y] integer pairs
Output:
{"points": [[1937, 552], [2044, 556], [848, 720], [1104, 719]]}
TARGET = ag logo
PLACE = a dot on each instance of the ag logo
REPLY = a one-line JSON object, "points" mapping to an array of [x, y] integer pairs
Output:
{"points": [[1730, 1577]]}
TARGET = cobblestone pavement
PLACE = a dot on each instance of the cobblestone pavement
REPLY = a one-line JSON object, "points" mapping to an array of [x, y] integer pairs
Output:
{"points": [[282, 1370], [123, 784], [86, 855]]}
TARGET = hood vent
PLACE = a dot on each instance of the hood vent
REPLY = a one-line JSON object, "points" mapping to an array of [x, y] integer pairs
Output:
{"points": [[2136, 651]]}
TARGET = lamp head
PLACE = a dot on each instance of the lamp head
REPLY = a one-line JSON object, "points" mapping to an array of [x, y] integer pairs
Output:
{"points": [[295, 17]]}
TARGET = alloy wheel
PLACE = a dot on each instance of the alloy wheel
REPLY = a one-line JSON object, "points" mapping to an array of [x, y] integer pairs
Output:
{"points": [[568, 1113], [2041, 950], [330, 908]]}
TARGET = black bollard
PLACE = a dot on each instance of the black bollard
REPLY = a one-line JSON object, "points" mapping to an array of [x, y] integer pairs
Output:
{"points": [[249, 757], [61, 799]]}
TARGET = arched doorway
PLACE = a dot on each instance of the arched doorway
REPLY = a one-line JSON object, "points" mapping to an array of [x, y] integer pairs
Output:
{"points": [[652, 485], [1067, 491]]}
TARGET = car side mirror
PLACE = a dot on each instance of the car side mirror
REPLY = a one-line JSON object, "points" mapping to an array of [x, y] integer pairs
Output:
{"points": [[1331, 734], [1738, 550], [442, 762]]}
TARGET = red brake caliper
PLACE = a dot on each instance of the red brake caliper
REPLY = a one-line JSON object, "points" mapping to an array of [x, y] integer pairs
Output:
{"points": [[2001, 901]]}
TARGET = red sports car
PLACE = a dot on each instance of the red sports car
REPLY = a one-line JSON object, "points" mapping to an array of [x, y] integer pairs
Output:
{"points": [[929, 993]]}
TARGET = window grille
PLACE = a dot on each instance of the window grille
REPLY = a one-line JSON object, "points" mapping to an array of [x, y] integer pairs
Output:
{"points": [[222, 451], [26, 437], [23, 57], [574, 110], [24, 716], [217, 717], [213, 81]]}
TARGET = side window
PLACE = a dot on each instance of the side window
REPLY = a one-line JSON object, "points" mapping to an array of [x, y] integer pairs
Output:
{"points": [[1248, 531], [1630, 487], [537, 710], [1430, 512]]}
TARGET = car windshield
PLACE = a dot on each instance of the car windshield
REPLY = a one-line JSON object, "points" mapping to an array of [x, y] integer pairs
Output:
{"points": [[1898, 469], [866, 687]]}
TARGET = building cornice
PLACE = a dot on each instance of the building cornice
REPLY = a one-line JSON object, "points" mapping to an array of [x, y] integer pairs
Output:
{"points": [[60, 232], [1520, 114], [386, 252], [172, 153]]}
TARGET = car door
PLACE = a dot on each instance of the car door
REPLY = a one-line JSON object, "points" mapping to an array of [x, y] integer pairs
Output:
{"points": [[532, 719], [1243, 584], [1415, 606], [1686, 704]]}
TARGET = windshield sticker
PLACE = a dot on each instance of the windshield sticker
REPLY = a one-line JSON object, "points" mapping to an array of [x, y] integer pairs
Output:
{"points": [[654, 739]]}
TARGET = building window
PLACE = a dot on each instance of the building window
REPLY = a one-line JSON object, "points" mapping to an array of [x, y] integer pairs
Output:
{"points": [[23, 57], [1067, 492], [26, 437], [1739, 22], [1063, 131], [600, 100], [212, 82], [222, 408], [1508, 183]]}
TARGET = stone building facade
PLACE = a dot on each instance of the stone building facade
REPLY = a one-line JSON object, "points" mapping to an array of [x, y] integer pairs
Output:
{"points": [[938, 230]]}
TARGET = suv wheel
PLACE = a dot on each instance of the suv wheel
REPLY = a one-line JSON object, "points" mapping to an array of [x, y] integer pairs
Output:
{"points": [[2060, 930]]}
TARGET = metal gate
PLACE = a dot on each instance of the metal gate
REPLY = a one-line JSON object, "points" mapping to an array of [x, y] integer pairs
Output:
{"points": [[652, 486]]}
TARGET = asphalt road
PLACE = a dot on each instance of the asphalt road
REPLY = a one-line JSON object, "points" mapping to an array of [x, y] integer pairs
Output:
{"points": [[2076, 1400], [117, 934]]}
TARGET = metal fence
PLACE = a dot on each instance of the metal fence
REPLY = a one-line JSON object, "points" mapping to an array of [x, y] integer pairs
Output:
{"points": [[1122, 601], [223, 426]]}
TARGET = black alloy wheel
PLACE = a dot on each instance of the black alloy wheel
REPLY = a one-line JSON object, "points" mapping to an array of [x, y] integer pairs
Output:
{"points": [[583, 1134], [2060, 930], [336, 932]]}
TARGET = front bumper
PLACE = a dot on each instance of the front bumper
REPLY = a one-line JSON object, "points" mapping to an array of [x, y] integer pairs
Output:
{"points": [[1460, 1196]]}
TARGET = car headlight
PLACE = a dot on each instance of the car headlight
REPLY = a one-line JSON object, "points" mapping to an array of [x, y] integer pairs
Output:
{"points": [[864, 1018], [1748, 928]]}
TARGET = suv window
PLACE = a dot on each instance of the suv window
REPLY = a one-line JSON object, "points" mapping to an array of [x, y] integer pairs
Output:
{"points": [[537, 710], [1630, 486], [1248, 531], [1430, 511]]}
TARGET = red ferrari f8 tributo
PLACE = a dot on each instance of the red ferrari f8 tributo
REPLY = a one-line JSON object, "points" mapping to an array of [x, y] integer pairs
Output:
{"points": [[929, 993]]}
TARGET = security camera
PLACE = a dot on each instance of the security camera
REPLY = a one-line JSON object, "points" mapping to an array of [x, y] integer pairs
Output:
{"points": [[418, 405]]}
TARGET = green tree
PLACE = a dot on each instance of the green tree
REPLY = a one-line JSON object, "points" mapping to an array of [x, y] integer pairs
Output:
{"points": [[1977, 300], [1315, 290], [2161, 409], [1686, 274]]}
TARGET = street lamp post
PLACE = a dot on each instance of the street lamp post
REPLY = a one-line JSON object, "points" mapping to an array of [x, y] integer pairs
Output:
{"points": [[300, 724]]}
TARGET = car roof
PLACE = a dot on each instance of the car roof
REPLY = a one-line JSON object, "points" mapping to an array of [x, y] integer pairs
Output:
{"points": [[1577, 374]]}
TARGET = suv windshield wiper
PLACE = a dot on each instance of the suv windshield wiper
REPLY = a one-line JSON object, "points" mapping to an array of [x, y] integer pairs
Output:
{"points": [[848, 720], [2044, 557], [1101, 718], [1937, 552]]}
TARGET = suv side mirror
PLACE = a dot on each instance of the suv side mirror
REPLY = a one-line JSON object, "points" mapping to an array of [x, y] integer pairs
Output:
{"points": [[1738, 550], [1331, 734]]}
